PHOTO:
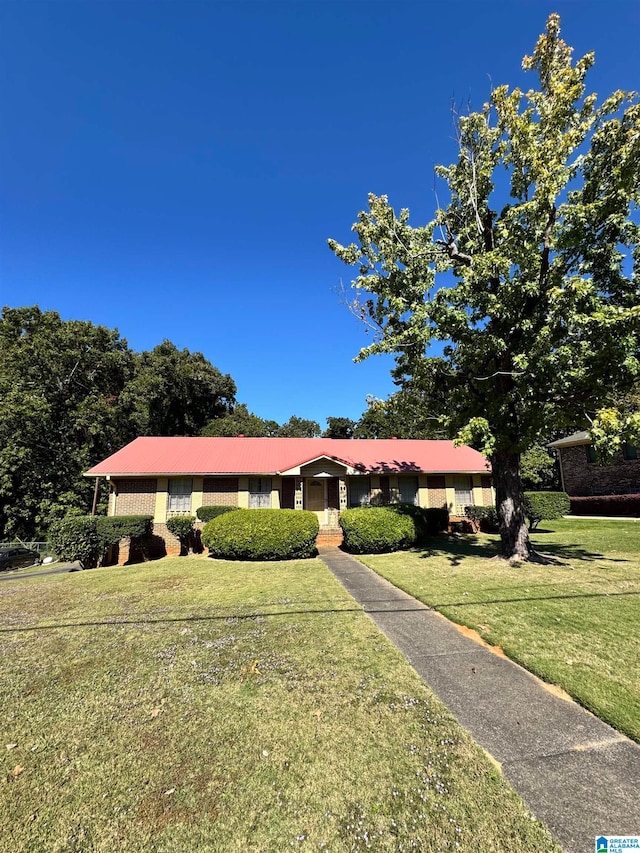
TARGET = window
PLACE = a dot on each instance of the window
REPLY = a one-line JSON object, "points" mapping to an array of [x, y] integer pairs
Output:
{"points": [[591, 454], [359, 491], [408, 488], [464, 492], [259, 492], [180, 494], [629, 451]]}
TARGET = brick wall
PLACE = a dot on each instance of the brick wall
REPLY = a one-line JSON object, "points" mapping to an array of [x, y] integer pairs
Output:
{"points": [[437, 491], [487, 494], [220, 491], [588, 478], [135, 496]]}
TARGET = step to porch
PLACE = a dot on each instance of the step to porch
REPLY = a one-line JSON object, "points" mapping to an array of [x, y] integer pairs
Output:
{"points": [[329, 536]]}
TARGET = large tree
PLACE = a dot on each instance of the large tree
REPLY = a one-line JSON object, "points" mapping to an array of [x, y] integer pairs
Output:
{"points": [[240, 421], [530, 276], [60, 382], [73, 393], [176, 392]]}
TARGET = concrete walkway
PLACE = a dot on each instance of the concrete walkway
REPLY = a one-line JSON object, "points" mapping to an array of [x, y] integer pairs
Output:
{"points": [[577, 775]]}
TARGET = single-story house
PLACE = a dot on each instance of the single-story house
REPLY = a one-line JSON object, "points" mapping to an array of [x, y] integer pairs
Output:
{"points": [[175, 476], [582, 475]]}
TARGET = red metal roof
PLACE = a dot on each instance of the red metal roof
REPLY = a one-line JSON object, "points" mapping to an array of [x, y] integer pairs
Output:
{"points": [[199, 456]]}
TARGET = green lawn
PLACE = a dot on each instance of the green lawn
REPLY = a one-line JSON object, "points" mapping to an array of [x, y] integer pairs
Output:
{"points": [[575, 624], [198, 705]]}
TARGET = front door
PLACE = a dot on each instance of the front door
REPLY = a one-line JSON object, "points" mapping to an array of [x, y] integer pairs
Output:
{"points": [[316, 494]]}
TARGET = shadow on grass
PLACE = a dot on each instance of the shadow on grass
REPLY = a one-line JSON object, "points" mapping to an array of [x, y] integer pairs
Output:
{"points": [[457, 548], [117, 621]]}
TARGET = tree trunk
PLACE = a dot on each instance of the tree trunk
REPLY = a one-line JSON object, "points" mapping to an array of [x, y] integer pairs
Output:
{"points": [[510, 505]]}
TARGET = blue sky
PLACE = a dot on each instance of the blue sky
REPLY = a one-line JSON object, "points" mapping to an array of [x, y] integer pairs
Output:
{"points": [[174, 169]]}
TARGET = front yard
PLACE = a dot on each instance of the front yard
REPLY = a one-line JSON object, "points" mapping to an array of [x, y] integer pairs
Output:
{"points": [[575, 624], [199, 705]]}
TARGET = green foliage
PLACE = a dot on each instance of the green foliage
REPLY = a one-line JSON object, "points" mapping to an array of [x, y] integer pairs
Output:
{"points": [[375, 530], [538, 468], [72, 394], [541, 325], [240, 421], [85, 537], [299, 428], [176, 392], [262, 534], [485, 516], [436, 519], [545, 505], [610, 429], [405, 414], [206, 513], [76, 538], [339, 428], [182, 528], [111, 529]]}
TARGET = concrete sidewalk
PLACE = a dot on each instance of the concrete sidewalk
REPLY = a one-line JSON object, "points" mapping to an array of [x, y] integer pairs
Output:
{"points": [[577, 775]]}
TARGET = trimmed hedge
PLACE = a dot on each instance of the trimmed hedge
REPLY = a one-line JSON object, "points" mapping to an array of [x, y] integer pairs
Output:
{"points": [[182, 528], [545, 505], [75, 538], [624, 505], [375, 530], [206, 513], [86, 537], [112, 528], [262, 534], [485, 516]]}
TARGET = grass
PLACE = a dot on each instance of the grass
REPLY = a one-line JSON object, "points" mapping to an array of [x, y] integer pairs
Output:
{"points": [[199, 705], [575, 624]]}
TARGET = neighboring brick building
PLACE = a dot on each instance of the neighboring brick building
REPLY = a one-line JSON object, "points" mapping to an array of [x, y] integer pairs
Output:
{"points": [[176, 476], [582, 475]]}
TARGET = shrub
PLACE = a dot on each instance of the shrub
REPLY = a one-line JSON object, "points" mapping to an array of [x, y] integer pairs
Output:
{"points": [[545, 505], [76, 538], [374, 530], [625, 505], [262, 534], [436, 519], [111, 529], [206, 513], [182, 528], [486, 517]]}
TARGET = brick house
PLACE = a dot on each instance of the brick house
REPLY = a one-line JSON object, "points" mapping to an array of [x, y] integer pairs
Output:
{"points": [[581, 475], [174, 476]]}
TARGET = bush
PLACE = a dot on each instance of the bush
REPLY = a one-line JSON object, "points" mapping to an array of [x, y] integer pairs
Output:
{"points": [[76, 538], [182, 528], [262, 534], [625, 505], [374, 530], [111, 529], [206, 513], [486, 517], [436, 519], [545, 505], [86, 537]]}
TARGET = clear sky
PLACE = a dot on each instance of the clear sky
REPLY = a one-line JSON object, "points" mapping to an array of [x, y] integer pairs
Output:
{"points": [[174, 169]]}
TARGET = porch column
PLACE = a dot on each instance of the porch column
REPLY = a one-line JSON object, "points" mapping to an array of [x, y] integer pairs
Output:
{"points": [[297, 499], [342, 493]]}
